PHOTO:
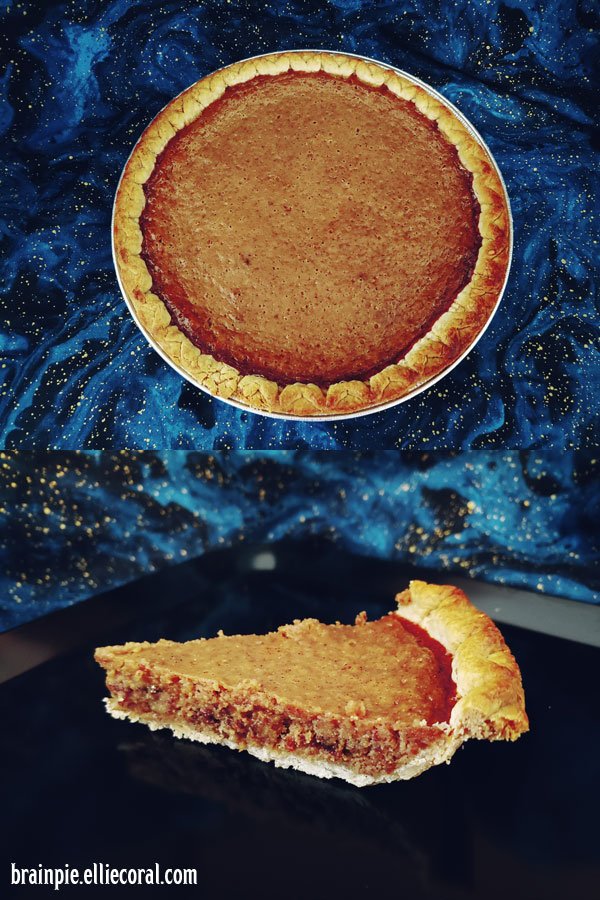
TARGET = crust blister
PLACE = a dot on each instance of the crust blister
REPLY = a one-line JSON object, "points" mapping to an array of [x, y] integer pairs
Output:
{"points": [[301, 399], [343, 396], [450, 336]]}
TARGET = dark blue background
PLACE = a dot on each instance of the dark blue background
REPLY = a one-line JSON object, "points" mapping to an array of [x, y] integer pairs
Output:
{"points": [[81, 80], [76, 524]]}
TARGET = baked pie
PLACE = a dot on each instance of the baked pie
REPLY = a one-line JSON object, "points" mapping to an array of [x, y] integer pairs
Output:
{"points": [[370, 702], [311, 234]]}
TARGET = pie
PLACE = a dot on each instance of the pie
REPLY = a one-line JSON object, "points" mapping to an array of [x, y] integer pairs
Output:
{"points": [[311, 234], [370, 702]]}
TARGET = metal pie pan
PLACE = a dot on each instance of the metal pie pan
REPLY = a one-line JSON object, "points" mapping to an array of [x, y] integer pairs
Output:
{"points": [[377, 407]]}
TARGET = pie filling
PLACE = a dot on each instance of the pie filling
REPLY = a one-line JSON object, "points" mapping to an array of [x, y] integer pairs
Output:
{"points": [[368, 696], [309, 228]]}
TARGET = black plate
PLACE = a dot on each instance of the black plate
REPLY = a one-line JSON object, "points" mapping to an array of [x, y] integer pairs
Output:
{"points": [[516, 820]]}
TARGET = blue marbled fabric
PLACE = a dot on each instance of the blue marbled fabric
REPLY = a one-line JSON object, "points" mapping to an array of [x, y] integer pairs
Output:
{"points": [[81, 80], [74, 525]]}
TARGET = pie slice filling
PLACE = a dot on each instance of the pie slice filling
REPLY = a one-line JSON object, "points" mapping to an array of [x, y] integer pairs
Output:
{"points": [[369, 702]]}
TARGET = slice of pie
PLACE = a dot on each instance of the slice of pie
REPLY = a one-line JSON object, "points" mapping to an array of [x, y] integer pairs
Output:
{"points": [[311, 234], [370, 702]]}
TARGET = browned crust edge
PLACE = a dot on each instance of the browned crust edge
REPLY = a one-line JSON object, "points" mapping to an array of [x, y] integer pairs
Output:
{"points": [[490, 698], [450, 336]]}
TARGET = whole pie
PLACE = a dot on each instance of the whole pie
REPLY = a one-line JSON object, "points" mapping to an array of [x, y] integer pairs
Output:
{"points": [[370, 702], [310, 233]]}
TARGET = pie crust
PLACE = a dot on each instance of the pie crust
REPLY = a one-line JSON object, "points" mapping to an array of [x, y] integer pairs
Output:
{"points": [[446, 339], [374, 702]]}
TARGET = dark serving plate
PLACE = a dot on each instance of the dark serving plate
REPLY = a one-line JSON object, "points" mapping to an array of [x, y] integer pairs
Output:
{"points": [[517, 820]]}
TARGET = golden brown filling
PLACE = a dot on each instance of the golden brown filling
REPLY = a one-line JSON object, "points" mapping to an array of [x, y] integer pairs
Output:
{"points": [[309, 228], [388, 668]]}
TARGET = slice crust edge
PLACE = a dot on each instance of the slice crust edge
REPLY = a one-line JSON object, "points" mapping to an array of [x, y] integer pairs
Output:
{"points": [[491, 700]]}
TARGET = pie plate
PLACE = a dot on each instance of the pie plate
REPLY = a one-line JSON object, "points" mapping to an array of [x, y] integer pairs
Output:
{"points": [[442, 344]]}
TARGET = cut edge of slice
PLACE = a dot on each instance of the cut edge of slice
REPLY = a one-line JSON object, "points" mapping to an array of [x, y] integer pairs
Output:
{"points": [[440, 752]]}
